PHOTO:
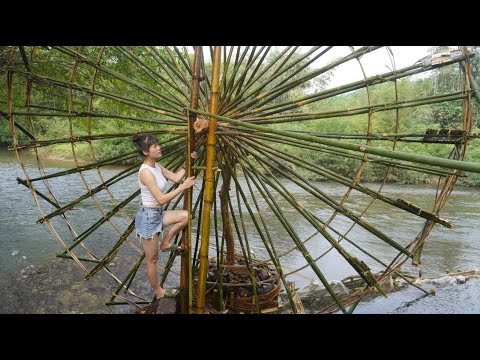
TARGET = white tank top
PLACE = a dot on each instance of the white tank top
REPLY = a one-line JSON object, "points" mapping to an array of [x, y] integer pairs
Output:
{"points": [[147, 197]]}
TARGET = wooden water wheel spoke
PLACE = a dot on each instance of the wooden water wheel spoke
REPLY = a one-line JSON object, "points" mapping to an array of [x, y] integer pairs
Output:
{"points": [[266, 124]]}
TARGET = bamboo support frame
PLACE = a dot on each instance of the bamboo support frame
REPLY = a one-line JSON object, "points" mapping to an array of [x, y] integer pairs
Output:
{"points": [[269, 246], [209, 180], [117, 75], [378, 79], [301, 247], [186, 280], [399, 203], [45, 80], [264, 98], [242, 95], [235, 102], [345, 153], [312, 189], [416, 158]]}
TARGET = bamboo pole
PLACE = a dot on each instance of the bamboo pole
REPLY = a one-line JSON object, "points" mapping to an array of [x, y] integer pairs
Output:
{"points": [[62, 256], [175, 68], [373, 80], [130, 276], [109, 161], [115, 74], [294, 237], [351, 183], [240, 97], [78, 239], [183, 58], [473, 83], [346, 153], [45, 80], [186, 279], [448, 137], [181, 196], [17, 125], [227, 226], [114, 179], [209, 182], [270, 249], [229, 92], [304, 65], [113, 251], [88, 138], [416, 158], [276, 72], [236, 67], [259, 231], [250, 63], [450, 181], [226, 65], [153, 75], [24, 58], [373, 108], [309, 187], [249, 83], [245, 248], [206, 85], [198, 203], [219, 249], [357, 264], [161, 60], [315, 191], [26, 184], [10, 106], [75, 113], [267, 97]]}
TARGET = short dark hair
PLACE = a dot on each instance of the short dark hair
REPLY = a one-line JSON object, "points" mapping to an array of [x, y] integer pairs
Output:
{"points": [[143, 142]]}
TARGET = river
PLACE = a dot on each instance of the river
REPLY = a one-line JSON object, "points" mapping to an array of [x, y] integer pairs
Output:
{"points": [[25, 245]]}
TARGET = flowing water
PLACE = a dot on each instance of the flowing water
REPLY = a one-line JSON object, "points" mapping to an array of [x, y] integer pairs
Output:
{"points": [[24, 243]]}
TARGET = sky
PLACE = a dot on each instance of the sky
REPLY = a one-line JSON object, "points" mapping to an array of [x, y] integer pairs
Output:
{"points": [[374, 63]]}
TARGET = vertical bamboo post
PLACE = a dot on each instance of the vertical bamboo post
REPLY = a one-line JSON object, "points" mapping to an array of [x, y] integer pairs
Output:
{"points": [[450, 180], [227, 226], [186, 261], [209, 182]]}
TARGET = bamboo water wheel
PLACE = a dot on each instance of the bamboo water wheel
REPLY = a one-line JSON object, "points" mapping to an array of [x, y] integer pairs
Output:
{"points": [[245, 110]]}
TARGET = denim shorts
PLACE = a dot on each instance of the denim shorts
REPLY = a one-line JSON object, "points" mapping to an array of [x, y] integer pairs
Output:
{"points": [[148, 221]]}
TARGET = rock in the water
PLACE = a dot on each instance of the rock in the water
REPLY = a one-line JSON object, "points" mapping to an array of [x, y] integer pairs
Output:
{"points": [[263, 274]]}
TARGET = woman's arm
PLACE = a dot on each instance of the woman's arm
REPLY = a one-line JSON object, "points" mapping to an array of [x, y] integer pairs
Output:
{"points": [[179, 175], [147, 178], [175, 177]]}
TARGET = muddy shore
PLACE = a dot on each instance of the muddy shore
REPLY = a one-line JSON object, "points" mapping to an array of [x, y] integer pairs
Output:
{"points": [[54, 288]]}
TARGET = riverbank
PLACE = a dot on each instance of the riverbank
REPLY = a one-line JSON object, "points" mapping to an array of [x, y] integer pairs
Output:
{"points": [[63, 153], [56, 287]]}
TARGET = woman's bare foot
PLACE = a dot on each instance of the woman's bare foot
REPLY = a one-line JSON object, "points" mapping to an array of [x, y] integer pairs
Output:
{"points": [[170, 247], [168, 293], [160, 293]]}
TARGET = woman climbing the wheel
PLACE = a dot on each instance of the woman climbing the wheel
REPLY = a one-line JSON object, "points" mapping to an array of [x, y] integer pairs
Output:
{"points": [[151, 218]]}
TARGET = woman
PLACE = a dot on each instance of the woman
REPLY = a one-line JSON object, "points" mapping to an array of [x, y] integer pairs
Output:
{"points": [[151, 218]]}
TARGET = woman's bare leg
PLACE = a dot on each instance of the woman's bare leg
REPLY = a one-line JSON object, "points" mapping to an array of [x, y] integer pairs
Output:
{"points": [[150, 247], [178, 219]]}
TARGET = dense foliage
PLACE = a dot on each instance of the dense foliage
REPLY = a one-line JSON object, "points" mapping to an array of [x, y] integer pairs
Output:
{"points": [[412, 119]]}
